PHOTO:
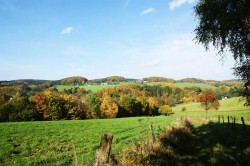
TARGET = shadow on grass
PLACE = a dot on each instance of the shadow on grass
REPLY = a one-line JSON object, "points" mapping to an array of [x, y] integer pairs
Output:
{"points": [[209, 144]]}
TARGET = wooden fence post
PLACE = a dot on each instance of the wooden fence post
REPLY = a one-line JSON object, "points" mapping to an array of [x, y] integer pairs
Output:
{"points": [[222, 119], [228, 120], [243, 123], [234, 121], [102, 156], [218, 118], [152, 133]]}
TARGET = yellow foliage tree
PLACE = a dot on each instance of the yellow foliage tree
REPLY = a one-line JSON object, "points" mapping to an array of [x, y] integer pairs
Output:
{"points": [[108, 108]]}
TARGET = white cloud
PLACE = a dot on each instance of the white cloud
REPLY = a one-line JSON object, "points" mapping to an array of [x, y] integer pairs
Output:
{"points": [[67, 30], [147, 11], [126, 4], [177, 3]]}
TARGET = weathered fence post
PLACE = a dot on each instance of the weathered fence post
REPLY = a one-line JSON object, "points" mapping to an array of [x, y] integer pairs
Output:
{"points": [[152, 133], [243, 123], [102, 156], [228, 120], [234, 121], [218, 118], [222, 119]]}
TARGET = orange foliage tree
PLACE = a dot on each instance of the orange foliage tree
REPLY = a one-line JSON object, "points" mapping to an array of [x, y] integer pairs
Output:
{"points": [[208, 100]]}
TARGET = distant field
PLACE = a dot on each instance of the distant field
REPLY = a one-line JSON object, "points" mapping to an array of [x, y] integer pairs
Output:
{"points": [[200, 85], [229, 107], [92, 88], [75, 142]]}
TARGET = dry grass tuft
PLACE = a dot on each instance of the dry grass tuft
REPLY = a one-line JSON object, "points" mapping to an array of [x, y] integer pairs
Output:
{"points": [[163, 151]]}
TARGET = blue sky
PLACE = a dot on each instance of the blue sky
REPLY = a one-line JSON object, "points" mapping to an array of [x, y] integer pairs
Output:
{"points": [[54, 39]]}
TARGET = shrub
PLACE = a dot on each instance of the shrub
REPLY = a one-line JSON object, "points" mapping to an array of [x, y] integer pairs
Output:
{"points": [[165, 110], [183, 108], [165, 151]]}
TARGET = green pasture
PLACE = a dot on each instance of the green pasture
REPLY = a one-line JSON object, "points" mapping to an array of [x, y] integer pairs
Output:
{"points": [[75, 142], [229, 107], [69, 142], [200, 85], [92, 88], [183, 85]]}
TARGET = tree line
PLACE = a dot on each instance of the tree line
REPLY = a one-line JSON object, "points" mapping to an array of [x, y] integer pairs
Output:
{"points": [[45, 102]]}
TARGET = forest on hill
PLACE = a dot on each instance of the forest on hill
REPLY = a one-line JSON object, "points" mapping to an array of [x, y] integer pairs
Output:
{"points": [[41, 100], [79, 80]]}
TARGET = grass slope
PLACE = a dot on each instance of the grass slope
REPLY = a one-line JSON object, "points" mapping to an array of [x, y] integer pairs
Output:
{"points": [[75, 142], [229, 107], [68, 142], [200, 85], [92, 88]]}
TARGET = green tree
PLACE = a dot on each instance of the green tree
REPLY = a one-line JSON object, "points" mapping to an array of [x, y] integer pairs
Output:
{"points": [[226, 24], [19, 109], [94, 103]]}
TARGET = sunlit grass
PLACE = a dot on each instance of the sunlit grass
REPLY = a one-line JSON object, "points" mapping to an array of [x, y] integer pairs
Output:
{"points": [[229, 107], [92, 88], [200, 85], [67, 142], [75, 142]]}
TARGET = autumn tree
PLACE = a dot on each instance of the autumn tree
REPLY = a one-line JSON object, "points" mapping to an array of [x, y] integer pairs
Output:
{"points": [[226, 25], [165, 110], [40, 104], [153, 105], [74, 80], [158, 79], [208, 100], [108, 108], [127, 106], [115, 79], [76, 109]]}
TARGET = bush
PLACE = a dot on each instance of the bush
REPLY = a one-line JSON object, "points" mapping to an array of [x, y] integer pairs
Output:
{"points": [[183, 108], [167, 148], [165, 110]]}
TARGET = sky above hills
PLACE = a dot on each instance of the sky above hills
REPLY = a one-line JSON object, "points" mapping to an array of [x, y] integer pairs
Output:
{"points": [[54, 39]]}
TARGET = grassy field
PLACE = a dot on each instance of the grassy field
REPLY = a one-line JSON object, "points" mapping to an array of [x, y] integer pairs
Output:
{"points": [[75, 142], [68, 142], [200, 85], [229, 107], [92, 88]]}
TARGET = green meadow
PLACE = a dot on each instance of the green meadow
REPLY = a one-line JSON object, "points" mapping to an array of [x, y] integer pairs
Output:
{"points": [[200, 85], [75, 142], [92, 88], [69, 142], [229, 107]]}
